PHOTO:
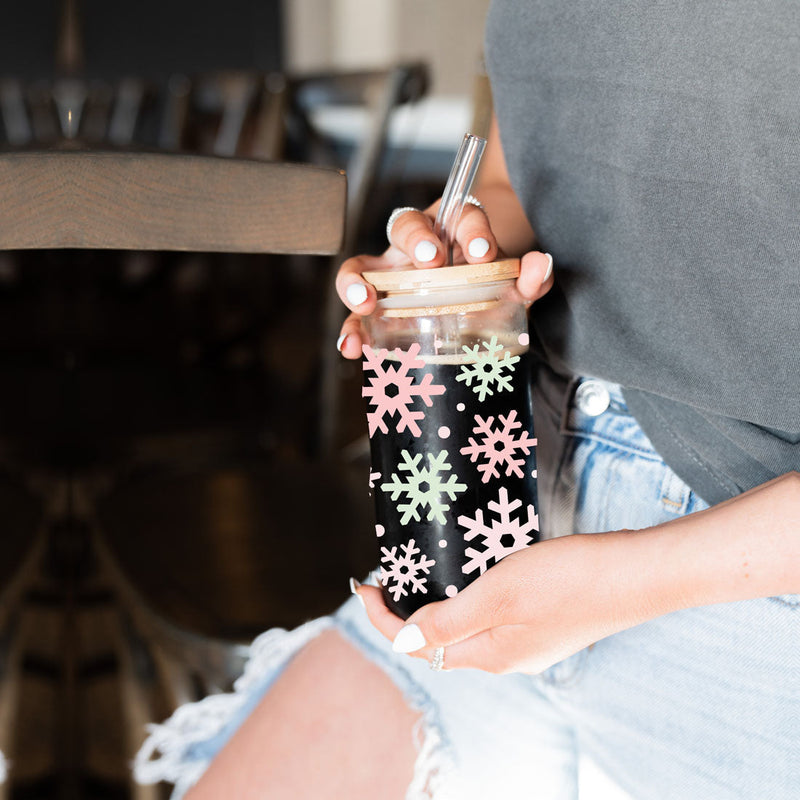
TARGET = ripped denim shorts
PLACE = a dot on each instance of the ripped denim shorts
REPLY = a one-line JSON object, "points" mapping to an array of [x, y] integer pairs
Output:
{"points": [[702, 703]]}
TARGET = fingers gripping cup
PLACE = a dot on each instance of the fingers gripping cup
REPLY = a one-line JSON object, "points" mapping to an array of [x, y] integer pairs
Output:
{"points": [[447, 388]]}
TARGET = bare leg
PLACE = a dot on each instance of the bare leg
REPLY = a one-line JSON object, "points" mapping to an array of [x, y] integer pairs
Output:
{"points": [[333, 725]]}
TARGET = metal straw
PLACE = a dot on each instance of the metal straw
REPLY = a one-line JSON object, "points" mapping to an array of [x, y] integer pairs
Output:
{"points": [[462, 174]]}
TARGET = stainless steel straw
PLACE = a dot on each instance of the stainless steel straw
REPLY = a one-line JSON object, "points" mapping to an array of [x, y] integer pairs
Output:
{"points": [[462, 174]]}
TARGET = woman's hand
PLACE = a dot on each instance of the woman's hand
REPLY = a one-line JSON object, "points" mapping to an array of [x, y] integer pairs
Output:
{"points": [[415, 245], [531, 610], [476, 242], [550, 600]]}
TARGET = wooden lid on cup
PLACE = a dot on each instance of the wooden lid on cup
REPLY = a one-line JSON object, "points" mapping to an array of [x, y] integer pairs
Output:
{"points": [[403, 280]]}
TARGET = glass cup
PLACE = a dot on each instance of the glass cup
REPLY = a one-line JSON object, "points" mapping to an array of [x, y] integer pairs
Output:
{"points": [[447, 382]]}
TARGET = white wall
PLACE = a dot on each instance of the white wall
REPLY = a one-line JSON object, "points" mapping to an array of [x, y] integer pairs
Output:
{"points": [[448, 34]]}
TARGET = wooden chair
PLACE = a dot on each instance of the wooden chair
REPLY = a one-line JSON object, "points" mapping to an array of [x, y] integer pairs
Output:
{"points": [[154, 201], [202, 557], [206, 543], [276, 117]]}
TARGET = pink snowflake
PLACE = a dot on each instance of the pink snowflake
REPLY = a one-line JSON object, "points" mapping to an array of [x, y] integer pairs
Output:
{"points": [[501, 537], [392, 390], [404, 569], [498, 446]]}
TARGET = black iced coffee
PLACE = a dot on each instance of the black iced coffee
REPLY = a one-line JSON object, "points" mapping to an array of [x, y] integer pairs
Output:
{"points": [[447, 388]]}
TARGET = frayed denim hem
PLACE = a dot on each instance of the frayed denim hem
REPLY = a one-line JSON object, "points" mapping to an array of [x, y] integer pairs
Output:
{"points": [[179, 750]]}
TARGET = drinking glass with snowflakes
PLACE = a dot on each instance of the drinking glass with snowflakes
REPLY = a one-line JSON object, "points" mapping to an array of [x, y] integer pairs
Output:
{"points": [[447, 385]]}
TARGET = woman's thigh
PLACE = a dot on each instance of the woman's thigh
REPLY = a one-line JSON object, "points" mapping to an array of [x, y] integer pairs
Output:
{"points": [[314, 733]]}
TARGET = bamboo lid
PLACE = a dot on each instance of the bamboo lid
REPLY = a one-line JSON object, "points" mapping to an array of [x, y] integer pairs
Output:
{"points": [[393, 280]]}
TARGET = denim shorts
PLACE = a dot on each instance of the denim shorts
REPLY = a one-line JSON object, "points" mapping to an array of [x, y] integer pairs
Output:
{"points": [[702, 704]]}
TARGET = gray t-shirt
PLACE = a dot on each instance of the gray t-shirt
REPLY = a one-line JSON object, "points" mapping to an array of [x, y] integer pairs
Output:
{"points": [[654, 146]]}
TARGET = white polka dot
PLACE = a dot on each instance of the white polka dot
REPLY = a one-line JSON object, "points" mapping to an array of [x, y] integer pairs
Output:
{"points": [[535, 474], [524, 339], [451, 591], [460, 406], [444, 432], [379, 530], [442, 542]]}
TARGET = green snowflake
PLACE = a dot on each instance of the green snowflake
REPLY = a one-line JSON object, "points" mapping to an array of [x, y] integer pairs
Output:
{"points": [[423, 486], [487, 368]]}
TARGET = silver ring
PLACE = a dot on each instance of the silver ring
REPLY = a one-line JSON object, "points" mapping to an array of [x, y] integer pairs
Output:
{"points": [[437, 660], [393, 218], [475, 202]]}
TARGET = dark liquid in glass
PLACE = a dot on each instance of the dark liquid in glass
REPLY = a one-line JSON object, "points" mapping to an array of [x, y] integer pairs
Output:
{"points": [[453, 467]]}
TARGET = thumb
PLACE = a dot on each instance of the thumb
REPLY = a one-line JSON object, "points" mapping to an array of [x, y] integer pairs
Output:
{"points": [[536, 276], [446, 622]]}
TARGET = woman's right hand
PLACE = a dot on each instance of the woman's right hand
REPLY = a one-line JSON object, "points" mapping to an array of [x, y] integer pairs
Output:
{"points": [[413, 244]]}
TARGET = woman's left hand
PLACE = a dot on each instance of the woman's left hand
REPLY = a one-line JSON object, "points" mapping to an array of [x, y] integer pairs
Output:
{"points": [[546, 602], [531, 610]]}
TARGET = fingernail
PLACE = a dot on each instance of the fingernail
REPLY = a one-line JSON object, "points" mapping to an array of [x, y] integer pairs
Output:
{"points": [[549, 271], [478, 247], [356, 294], [408, 639], [376, 577], [340, 342], [354, 586], [425, 251]]}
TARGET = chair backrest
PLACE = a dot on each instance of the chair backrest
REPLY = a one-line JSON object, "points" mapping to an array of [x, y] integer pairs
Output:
{"points": [[277, 116], [378, 93], [158, 201]]}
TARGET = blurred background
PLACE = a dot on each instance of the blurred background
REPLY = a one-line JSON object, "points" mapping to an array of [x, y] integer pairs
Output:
{"points": [[183, 460]]}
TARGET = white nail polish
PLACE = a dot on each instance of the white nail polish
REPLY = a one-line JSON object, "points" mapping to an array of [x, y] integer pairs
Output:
{"points": [[549, 271], [340, 342], [478, 247], [354, 584], [409, 639], [425, 251], [356, 294]]}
